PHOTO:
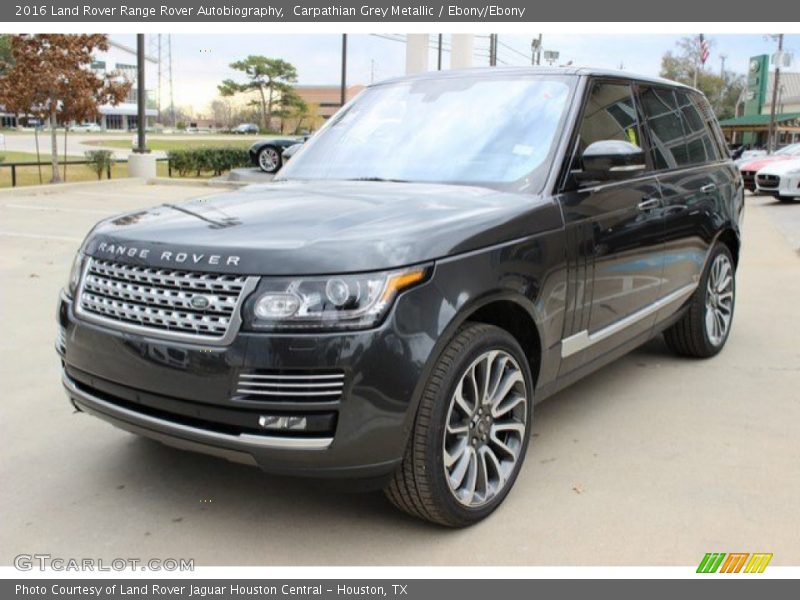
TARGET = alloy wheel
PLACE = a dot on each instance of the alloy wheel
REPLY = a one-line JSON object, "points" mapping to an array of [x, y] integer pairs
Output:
{"points": [[719, 299], [485, 428], [268, 160]]}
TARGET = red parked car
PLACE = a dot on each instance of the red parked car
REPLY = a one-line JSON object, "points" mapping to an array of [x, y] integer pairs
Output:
{"points": [[750, 169]]}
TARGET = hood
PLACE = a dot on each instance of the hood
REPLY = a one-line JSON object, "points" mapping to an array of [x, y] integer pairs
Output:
{"points": [[303, 228], [760, 163], [782, 167]]}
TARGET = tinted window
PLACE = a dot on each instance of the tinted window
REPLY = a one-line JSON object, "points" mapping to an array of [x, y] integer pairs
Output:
{"points": [[699, 145], [680, 129], [609, 115], [664, 120]]}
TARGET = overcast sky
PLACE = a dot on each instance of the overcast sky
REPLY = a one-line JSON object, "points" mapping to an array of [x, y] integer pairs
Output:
{"points": [[200, 62]]}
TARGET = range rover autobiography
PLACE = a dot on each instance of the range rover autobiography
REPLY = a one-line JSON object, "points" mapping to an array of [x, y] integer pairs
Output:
{"points": [[447, 250]]}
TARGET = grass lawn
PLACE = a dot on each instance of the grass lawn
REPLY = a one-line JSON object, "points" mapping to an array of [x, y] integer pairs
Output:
{"points": [[9, 157], [167, 145], [30, 175]]}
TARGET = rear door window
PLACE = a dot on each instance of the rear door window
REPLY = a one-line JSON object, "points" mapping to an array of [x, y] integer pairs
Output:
{"points": [[663, 118], [700, 147], [680, 129]]}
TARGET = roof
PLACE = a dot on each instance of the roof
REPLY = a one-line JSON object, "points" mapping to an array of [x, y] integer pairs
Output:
{"points": [[756, 120], [522, 71], [788, 88]]}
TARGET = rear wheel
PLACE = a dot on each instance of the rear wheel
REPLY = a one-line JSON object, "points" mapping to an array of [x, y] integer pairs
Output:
{"points": [[704, 329], [471, 430]]}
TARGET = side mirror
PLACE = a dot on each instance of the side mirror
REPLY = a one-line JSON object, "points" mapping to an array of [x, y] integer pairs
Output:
{"points": [[611, 160]]}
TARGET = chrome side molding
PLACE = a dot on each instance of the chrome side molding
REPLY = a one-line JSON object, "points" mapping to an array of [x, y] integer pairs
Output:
{"points": [[583, 339]]}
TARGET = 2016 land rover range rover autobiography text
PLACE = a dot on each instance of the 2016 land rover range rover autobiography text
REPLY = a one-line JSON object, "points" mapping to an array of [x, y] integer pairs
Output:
{"points": [[447, 250]]}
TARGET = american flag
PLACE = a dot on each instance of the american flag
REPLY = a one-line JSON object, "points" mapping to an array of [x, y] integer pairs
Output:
{"points": [[704, 48]]}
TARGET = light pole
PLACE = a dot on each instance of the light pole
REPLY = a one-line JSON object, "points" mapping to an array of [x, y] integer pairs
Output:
{"points": [[141, 163], [141, 114]]}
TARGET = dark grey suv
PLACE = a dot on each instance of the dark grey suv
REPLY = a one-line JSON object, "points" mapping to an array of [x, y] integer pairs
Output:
{"points": [[449, 249]]}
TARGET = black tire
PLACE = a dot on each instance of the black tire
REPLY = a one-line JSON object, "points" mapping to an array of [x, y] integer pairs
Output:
{"points": [[269, 166], [786, 199], [419, 486], [690, 336]]}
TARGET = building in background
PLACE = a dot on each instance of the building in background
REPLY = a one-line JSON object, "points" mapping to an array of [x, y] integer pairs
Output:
{"points": [[327, 97], [122, 59], [752, 126], [122, 117]]}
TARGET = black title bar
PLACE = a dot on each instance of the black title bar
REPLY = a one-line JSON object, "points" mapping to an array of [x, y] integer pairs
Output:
{"points": [[309, 11]]}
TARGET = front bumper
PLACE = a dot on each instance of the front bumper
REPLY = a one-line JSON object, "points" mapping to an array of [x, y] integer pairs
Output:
{"points": [[786, 186], [185, 395]]}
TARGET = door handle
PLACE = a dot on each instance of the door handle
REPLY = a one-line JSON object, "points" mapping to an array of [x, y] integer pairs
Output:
{"points": [[708, 188], [649, 204]]}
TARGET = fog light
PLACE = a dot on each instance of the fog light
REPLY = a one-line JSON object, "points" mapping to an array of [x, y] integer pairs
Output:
{"points": [[283, 423]]}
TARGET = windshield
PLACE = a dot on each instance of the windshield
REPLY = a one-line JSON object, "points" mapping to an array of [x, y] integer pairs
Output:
{"points": [[496, 131]]}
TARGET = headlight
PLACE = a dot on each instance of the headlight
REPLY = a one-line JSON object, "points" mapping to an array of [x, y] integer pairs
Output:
{"points": [[75, 274], [335, 302]]}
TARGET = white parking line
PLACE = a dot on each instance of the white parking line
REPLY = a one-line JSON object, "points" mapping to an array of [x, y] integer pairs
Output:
{"points": [[37, 236], [56, 208]]}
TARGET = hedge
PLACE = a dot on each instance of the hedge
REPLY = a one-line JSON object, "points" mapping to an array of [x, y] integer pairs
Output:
{"points": [[215, 160]]}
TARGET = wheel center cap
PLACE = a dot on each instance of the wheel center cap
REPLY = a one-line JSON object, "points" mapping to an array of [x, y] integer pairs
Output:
{"points": [[483, 426]]}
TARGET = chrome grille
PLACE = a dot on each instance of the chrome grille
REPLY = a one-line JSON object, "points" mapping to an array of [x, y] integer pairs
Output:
{"points": [[295, 387], [158, 301], [768, 181]]}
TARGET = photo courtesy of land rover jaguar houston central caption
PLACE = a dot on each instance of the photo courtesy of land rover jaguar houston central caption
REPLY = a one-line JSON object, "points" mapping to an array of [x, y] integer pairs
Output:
{"points": [[449, 249]]}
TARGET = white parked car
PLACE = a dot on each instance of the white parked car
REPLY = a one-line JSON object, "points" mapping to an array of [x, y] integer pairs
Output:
{"points": [[780, 179], [86, 128]]}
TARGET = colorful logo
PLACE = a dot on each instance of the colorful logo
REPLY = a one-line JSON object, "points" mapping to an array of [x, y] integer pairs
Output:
{"points": [[734, 562]]}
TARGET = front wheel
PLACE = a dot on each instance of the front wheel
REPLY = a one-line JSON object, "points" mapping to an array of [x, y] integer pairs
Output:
{"points": [[471, 430], [269, 159], [704, 329]]}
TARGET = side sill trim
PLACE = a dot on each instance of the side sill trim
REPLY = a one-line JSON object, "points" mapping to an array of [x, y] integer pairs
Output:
{"points": [[583, 339], [241, 442]]}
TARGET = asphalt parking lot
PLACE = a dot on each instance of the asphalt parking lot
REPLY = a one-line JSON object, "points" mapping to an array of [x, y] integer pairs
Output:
{"points": [[653, 460]]}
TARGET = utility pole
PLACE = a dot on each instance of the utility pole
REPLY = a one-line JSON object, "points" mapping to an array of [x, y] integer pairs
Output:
{"points": [[439, 54], [771, 141], [536, 51], [723, 86], [343, 98], [492, 49]]}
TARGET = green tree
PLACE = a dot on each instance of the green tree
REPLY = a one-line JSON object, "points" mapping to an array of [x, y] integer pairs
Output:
{"points": [[269, 77], [6, 58], [722, 90]]}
